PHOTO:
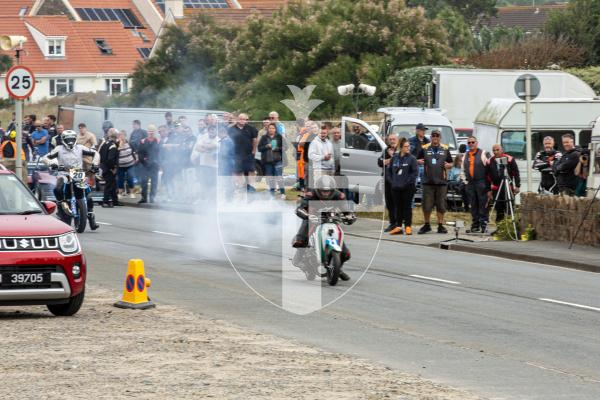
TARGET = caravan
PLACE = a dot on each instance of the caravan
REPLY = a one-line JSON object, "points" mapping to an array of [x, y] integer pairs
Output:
{"points": [[503, 121]]}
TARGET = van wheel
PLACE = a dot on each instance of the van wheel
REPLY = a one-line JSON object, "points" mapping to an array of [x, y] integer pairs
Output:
{"points": [[68, 309]]}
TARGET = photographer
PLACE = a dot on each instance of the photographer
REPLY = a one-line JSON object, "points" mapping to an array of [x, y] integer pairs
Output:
{"points": [[582, 171], [564, 168], [500, 167], [543, 162]]}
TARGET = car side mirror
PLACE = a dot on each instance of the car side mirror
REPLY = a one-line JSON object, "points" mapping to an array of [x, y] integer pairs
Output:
{"points": [[49, 206]]}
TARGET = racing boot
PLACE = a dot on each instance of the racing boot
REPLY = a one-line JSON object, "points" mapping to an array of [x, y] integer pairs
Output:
{"points": [[66, 208], [344, 276], [92, 221]]}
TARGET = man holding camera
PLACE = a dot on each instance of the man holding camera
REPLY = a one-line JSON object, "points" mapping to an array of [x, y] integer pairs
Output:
{"points": [[564, 168], [502, 167], [543, 162]]}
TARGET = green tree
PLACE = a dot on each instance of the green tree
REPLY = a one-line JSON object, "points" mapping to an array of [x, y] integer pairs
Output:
{"points": [[410, 87], [460, 36], [580, 23], [328, 44]]}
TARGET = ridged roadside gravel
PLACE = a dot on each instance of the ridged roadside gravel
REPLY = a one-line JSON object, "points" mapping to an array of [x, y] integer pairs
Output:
{"points": [[168, 353]]}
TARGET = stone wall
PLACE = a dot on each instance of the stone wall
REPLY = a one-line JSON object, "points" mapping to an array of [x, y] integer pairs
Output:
{"points": [[557, 218]]}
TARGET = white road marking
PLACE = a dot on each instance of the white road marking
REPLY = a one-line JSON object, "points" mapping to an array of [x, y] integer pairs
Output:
{"points": [[428, 278], [103, 223], [168, 233], [570, 304], [242, 245]]}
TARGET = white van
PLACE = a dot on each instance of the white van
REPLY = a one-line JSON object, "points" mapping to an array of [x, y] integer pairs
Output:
{"points": [[503, 121], [359, 162]]}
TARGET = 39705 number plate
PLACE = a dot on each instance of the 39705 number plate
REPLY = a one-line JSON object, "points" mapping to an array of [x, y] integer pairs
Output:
{"points": [[25, 278]]}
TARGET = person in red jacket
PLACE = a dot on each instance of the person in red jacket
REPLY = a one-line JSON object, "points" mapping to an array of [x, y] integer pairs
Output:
{"points": [[502, 165]]}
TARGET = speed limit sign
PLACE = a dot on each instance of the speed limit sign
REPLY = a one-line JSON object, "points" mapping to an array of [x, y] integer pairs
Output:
{"points": [[20, 82]]}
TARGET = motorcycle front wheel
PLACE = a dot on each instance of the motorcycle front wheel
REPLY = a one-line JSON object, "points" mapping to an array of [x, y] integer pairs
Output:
{"points": [[334, 268], [81, 219]]}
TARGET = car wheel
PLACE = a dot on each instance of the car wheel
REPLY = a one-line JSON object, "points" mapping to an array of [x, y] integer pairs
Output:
{"points": [[67, 309]]}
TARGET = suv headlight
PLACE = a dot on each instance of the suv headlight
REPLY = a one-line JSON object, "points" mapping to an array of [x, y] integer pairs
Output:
{"points": [[69, 243]]}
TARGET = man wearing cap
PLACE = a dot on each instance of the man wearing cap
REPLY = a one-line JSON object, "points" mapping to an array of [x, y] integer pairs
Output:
{"points": [[436, 161], [148, 155], [416, 142]]}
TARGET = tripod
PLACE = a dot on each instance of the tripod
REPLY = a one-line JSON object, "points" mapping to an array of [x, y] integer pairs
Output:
{"points": [[505, 191], [587, 211]]}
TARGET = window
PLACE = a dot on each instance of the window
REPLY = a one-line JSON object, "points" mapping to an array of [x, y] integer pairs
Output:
{"points": [[144, 52], [61, 87], [56, 47], [117, 85], [408, 131], [198, 4], [514, 142], [585, 138], [103, 46]]}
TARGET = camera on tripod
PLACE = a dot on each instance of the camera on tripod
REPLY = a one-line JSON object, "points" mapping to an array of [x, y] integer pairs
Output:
{"points": [[502, 161]]}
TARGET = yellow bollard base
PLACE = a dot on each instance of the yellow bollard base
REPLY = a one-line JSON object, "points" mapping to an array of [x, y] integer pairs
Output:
{"points": [[135, 306]]}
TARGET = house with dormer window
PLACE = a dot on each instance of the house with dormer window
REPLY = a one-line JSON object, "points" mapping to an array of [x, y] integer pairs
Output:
{"points": [[80, 46]]}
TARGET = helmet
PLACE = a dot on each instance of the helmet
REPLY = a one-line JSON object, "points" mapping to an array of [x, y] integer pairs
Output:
{"points": [[12, 135], [106, 125], [325, 187], [69, 138]]}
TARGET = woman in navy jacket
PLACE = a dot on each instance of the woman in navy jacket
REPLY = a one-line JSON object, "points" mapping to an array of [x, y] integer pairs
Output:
{"points": [[402, 175]]}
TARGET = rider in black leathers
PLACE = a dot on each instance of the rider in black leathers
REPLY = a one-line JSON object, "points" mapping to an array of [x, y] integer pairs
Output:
{"points": [[544, 161], [323, 194]]}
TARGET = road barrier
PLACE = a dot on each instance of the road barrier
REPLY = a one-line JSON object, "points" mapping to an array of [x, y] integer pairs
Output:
{"points": [[135, 294]]}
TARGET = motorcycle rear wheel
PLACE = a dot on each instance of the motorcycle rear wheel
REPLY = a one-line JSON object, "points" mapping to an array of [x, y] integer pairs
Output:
{"points": [[334, 268]]}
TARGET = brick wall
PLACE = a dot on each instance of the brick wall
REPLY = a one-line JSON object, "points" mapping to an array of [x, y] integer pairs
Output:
{"points": [[557, 218]]}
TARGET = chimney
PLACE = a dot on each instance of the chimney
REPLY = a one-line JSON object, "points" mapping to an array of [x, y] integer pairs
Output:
{"points": [[176, 7]]}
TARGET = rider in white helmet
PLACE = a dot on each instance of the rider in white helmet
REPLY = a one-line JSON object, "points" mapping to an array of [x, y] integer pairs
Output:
{"points": [[70, 155]]}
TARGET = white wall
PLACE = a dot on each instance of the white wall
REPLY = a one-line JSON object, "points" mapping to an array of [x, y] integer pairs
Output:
{"points": [[82, 84]]}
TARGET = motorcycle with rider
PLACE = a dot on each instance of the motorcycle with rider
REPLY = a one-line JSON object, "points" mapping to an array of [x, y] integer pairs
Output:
{"points": [[320, 238], [67, 160]]}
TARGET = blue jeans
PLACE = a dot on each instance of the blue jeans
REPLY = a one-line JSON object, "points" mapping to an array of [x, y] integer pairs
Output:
{"points": [[274, 174], [131, 179]]}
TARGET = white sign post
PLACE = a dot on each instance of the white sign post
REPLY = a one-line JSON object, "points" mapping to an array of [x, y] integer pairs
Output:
{"points": [[20, 83], [527, 87]]}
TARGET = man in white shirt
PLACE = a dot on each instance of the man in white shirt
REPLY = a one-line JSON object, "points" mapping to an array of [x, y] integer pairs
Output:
{"points": [[320, 154]]}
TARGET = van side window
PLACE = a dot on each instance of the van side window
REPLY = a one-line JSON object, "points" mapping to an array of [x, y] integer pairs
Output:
{"points": [[514, 142], [585, 137]]}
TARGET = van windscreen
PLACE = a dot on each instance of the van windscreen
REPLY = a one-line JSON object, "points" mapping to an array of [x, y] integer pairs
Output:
{"points": [[408, 131]]}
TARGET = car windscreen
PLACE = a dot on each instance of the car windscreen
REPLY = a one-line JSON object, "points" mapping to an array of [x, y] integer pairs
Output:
{"points": [[15, 198], [408, 131]]}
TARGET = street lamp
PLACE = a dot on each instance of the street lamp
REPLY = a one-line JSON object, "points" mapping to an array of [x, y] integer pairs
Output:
{"points": [[356, 92]]}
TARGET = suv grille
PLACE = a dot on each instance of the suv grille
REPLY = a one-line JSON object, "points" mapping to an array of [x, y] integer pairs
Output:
{"points": [[29, 244]]}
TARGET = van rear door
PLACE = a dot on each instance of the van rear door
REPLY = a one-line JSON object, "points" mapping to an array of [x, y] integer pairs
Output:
{"points": [[361, 147]]}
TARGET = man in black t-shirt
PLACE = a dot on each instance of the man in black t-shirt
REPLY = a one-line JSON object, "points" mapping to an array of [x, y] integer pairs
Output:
{"points": [[245, 140]]}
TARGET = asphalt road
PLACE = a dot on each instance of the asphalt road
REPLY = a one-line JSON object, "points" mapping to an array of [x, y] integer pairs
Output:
{"points": [[496, 327]]}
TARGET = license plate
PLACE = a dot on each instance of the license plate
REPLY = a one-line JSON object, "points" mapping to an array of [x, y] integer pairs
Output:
{"points": [[25, 278]]}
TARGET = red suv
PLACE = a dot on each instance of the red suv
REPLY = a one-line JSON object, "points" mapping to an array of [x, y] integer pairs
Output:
{"points": [[41, 261]]}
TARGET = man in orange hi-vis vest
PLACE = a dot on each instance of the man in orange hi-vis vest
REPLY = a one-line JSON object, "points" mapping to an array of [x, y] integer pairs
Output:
{"points": [[8, 149]]}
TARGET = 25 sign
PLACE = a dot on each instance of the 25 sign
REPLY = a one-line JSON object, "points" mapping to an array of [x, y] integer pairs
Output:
{"points": [[20, 82]]}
